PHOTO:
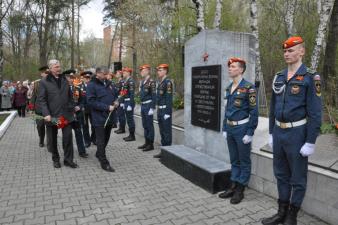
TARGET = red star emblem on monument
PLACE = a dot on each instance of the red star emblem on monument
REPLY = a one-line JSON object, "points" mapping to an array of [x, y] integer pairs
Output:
{"points": [[205, 57]]}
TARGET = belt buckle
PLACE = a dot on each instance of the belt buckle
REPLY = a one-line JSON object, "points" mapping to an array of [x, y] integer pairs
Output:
{"points": [[283, 125], [231, 123]]}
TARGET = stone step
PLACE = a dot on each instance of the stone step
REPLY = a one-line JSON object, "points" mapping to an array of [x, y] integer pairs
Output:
{"points": [[209, 173]]}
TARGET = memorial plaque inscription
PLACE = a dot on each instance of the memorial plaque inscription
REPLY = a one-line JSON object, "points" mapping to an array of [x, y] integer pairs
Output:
{"points": [[206, 97]]}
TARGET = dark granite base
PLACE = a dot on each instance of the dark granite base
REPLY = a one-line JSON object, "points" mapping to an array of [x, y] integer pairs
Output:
{"points": [[202, 170]]}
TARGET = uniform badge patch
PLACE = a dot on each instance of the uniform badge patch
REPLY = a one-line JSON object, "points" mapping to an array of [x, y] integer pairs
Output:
{"points": [[238, 102], [295, 89], [317, 82], [169, 87], [252, 97]]}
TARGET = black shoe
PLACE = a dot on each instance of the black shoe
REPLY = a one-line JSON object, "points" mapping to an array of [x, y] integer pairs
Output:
{"points": [[114, 125], [70, 164], [149, 147], [238, 194], [158, 156], [87, 145], [94, 142], [83, 155], [142, 146], [131, 137], [291, 216], [278, 218], [229, 192], [107, 167], [57, 164], [41, 145], [120, 131]]}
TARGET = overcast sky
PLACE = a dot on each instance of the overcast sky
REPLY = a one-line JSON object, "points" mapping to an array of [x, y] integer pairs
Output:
{"points": [[91, 19]]}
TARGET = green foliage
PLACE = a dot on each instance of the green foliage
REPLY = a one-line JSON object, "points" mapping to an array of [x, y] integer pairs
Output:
{"points": [[328, 128], [178, 102]]}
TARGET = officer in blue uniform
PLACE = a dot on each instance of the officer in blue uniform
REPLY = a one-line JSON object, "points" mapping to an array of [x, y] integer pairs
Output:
{"points": [[127, 98], [76, 124], [295, 119], [121, 117], [101, 95], [85, 77], [164, 97], [148, 102], [240, 122]]}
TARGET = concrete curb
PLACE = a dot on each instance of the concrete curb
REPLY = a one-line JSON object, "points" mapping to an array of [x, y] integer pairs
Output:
{"points": [[4, 126]]}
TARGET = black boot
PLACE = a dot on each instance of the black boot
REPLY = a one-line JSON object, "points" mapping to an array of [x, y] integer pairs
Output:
{"points": [[121, 130], [280, 216], [238, 194], [229, 192], [131, 137], [291, 217], [149, 147], [144, 145]]}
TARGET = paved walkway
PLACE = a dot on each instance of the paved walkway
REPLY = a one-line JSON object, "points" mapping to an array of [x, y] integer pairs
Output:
{"points": [[141, 191]]}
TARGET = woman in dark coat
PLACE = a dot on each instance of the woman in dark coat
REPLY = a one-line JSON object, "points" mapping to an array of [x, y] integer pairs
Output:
{"points": [[20, 99]]}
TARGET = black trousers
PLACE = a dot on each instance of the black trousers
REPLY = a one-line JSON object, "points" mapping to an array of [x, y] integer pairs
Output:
{"points": [[102, 138], [67, 143], [40, 126], [21, 110]]}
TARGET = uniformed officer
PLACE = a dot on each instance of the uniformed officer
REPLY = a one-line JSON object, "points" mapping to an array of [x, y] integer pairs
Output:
{"points": [[40, 123], [164, 97], [148, 101], [127, 98], [240, 122], [78, 100], [85, 76], [121, 117], [295, 120]]}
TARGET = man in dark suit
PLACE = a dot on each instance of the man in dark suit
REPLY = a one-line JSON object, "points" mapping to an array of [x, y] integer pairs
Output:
{"points": [[40, 123], [56, 101]]}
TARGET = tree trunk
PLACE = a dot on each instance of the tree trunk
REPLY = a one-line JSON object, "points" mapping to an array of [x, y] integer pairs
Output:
{"points": [[259, 80], [330, 58], [200, 14], [121, 42], [78, 33], [72, 47], [324, 17], [218, 14], [112, 45], [134, 50], [290, 9], [44, 34], [1, 44]]}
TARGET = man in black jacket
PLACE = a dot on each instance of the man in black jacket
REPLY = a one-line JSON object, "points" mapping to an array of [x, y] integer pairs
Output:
{"points": [[40, 123], [56, 101]]}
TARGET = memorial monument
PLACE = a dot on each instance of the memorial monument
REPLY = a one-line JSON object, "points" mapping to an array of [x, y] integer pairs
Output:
{"points": [[204, 157]]}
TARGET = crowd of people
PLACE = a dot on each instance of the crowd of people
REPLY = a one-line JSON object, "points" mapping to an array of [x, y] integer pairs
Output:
{"points": [[95, 104], [16, 95]]}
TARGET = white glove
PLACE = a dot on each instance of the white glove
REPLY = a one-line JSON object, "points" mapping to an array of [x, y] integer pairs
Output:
{"points": [[122, 105], [166, 116], [225, 134], [270, 141], [307, 149], [151, 112], [247, 139], [129, 108]]}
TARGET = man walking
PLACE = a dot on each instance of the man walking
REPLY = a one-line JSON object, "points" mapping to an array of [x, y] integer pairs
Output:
{"points": [[101, 95], [56, 102]]}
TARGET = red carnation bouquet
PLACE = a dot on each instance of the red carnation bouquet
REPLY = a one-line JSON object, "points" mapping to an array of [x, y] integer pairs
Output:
{"points": [[60, 122], [123, 92], [31, 106]]}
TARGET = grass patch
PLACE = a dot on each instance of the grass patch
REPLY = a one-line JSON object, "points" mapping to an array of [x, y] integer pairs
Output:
{"points": [[3, 117]]}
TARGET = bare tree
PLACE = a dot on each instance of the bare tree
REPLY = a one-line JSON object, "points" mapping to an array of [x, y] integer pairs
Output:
{"points": [[324, 16], [330, 58], [289, 18], [218, 14], [200, 14]]}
